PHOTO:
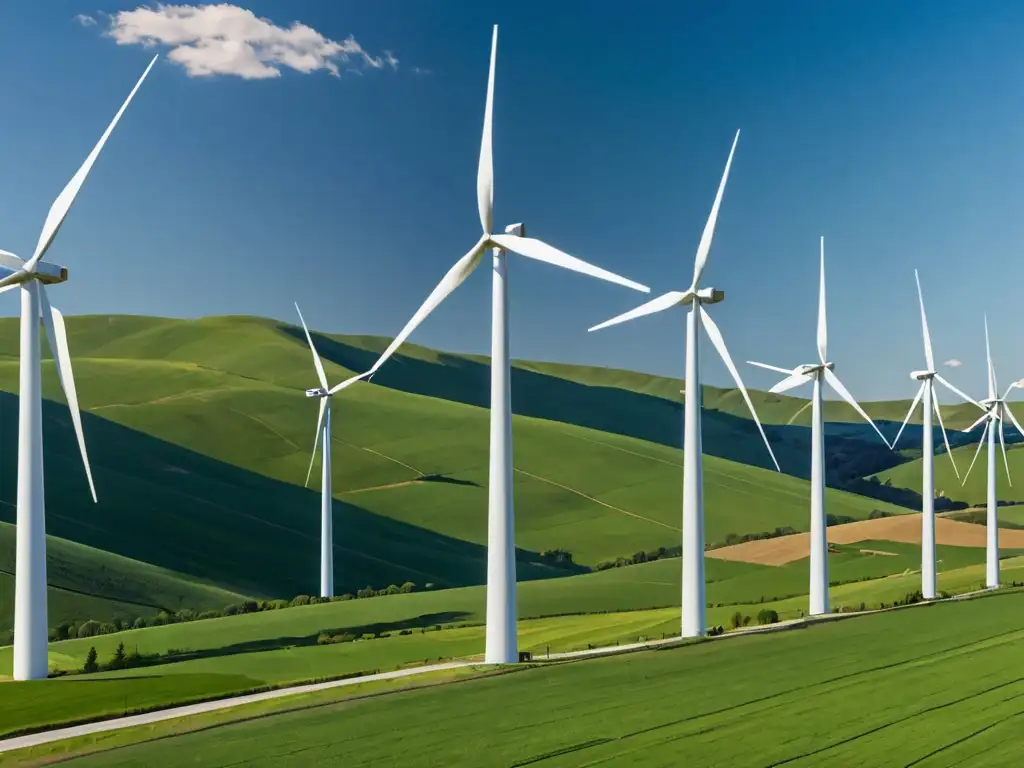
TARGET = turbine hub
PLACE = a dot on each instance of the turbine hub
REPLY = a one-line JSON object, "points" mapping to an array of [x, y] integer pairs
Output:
{"points": [[709, 295]]}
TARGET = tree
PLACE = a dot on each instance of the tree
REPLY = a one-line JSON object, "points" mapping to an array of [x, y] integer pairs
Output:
{"points": [[737, 620], [118, 661], [90, 662]]}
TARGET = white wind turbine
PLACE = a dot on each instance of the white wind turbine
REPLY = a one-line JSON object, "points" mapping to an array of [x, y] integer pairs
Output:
{"points": [[819, 373], [323, 432], [694, 297], [996, 410], [501, 643], [931, 401], [30, 610]]}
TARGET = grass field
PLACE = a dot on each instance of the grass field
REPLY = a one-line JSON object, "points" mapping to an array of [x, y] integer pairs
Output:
{"points": [[947, 693], [652, 585], [199, 439], [241, 653]]}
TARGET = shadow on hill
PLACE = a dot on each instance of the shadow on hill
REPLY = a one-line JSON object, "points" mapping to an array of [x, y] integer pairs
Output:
{"points": [[609, 409], [448, 480], [221, 524]]}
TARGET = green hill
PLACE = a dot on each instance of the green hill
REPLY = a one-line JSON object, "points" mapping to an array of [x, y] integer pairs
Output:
{"points": [[974, 490], [200, 439]]}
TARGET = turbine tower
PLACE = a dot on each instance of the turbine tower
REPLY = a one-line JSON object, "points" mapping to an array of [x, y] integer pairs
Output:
{"points": [[996, 410], [819, 373], [323, 432], [694, 297], [931, 401], [501, 644], [32, 277]]}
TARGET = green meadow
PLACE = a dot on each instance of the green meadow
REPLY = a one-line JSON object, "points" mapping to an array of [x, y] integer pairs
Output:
{"points": [[200, 439], [946, 692]]}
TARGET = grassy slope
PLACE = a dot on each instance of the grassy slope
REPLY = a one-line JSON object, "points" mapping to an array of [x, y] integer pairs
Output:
{"points": [[947, 693], [202, 439], [632, 588], [241, 653], [973, 491], [104, 586]]}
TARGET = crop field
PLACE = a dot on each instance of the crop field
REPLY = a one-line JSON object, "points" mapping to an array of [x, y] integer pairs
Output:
{"points": [[948, 691]]}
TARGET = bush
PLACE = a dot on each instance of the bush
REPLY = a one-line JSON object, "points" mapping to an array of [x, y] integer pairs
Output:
{"points": [[767, 616], [139, 623], [90, 662], [737, 620], [89, 629], [300, 600]]}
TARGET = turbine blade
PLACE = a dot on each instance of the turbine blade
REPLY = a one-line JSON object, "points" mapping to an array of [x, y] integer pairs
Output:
{"points": [[316, 440], [775, 368], [455, 276], [957, 392], [485, 169], [929, 358], [840, 390], [709, 227], [945, 438], [61, 206], [913, 407], [822, 321], [541, 251], [349, 382], [316, 358], [719, 343], [991, 371], [1002, 445], [790, 382], [56, 336], [663, 302], [1013, 418], [976, 452], [980, 419]]}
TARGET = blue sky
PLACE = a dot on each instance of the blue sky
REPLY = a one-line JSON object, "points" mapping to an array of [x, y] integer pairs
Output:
{"points": [[894, 129]]}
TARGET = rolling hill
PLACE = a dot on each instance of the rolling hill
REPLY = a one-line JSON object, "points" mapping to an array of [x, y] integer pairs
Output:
{"points": [[200, 439]]}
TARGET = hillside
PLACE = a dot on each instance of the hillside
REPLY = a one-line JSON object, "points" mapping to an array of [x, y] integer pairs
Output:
{"points": [[200, 437]]}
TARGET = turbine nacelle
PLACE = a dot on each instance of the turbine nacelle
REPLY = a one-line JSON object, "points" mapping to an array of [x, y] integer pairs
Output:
{"points": [[45, 273], [922, 375], [709, 295], [809, 369], [318, 392]]}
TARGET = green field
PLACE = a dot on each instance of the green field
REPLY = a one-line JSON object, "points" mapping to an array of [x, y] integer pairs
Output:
{"points": [[242, 653], [946, 692], [200, 438]]}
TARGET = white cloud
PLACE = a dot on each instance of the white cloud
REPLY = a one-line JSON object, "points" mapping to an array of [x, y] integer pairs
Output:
{"points": [[85, 20], [224, 39], [421, 71], [954, 363]]}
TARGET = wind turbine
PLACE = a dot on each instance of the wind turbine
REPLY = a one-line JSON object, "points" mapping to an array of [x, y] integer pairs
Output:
{"points": [[323, 432], [30, 610], [501, 643], [996, 410], [931, 400], [693, 602], [819, 373]]}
